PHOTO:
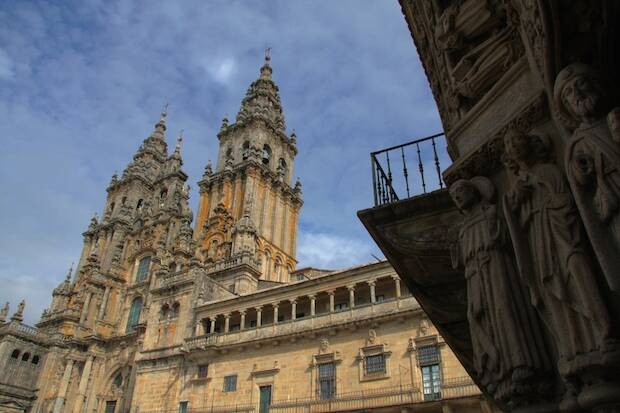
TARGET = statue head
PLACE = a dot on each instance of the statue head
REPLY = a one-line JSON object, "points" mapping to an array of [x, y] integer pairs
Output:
{"points": [[522, 149], [467, 193], [579, 94]]}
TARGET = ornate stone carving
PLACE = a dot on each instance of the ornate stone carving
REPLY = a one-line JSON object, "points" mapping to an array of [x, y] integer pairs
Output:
{"points": [[592, 160], [552, 255], [510, 354]]}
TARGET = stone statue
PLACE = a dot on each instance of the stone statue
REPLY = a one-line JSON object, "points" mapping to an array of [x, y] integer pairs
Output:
{"points": [[592, 161], [509, 350], [20, 308], [551, 254], [324, 346]]}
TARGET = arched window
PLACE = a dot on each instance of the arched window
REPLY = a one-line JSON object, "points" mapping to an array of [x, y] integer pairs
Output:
{"points": [[15, 354], [163, 314], [175, 310], [245, 152], [162, 197], [143, 269], [139, 204], [134, 314], [282, 164], [266, 154], [118, 380], [112, 207], [123, 200], [35, 359], [26, 357]]}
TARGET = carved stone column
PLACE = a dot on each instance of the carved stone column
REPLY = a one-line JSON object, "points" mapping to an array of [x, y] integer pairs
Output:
{"points": [[293, 309], [351, 296], [275, 313], [242, 323], [373, 296], [397, 286], [212, 324], [64, 385], [86, 308], [331, 300], [77, 408], [226, 322], [104, 303], [259, 316], [312, 304]]}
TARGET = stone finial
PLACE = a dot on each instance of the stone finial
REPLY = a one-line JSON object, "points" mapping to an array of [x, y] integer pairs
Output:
{"points": [[4, 312], [69, 273], [297, 187], [224, 123], [19, 314], [177, 147], [293, 138], [208, 170]]}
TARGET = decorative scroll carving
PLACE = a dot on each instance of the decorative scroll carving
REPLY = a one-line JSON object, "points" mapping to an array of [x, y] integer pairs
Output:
{"points": [[593, 160], [510, 354], [553, 256], [486, 159]]}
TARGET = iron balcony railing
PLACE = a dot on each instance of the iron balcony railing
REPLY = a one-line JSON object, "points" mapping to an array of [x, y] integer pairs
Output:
{"points": [[392, 176]]}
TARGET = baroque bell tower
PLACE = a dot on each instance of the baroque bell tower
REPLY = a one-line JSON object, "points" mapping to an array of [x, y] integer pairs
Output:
{"points": [[249, 210]]}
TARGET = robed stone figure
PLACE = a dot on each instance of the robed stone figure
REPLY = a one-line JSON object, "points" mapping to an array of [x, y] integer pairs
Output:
{"points": [[552, 254], [593, 161], [509, 350]]}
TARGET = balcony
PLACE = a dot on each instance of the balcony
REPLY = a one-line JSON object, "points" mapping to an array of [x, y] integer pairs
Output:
{"points": [[414, 222], [305, 325], [451, 390]]}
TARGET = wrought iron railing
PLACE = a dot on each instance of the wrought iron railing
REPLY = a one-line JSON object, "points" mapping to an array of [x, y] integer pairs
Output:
{"points": [[402, 171]]}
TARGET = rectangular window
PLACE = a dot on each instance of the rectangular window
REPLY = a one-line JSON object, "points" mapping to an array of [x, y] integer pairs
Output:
{"points": [[428, 355], [375, 364], [327, 381], [265, 399], [230, 383], [183, 407], [431, 382], [143, 269], [110, 406], [203, 370]]}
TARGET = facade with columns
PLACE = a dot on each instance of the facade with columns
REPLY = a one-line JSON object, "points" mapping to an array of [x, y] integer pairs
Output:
{"points": [[162, 315]]}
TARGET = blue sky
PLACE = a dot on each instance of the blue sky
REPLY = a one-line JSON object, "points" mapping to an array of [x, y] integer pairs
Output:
{"points": [[82, 83]]}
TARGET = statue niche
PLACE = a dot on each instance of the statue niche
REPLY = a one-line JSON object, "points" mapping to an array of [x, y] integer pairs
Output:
{"points": [[592, 160], [553, 256], [510, 355]]}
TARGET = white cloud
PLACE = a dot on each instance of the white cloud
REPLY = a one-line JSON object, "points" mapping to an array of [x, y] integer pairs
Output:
{"points": [[220, 69], [6, 65], [331, 251]]}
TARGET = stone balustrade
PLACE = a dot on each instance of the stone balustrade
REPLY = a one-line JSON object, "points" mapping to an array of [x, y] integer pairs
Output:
{"points": [[303, 326]]}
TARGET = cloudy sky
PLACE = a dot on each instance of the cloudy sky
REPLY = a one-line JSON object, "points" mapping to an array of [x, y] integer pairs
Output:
{"points": [[82, 83]]}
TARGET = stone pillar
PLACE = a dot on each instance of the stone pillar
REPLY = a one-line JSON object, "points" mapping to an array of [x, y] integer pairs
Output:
{"points": [[104, 303], [275, 313], [351, 296], [293, 309], [77, 408], [259, 316], [199, 328], [331, 300], [242, 323], [373, 297], [64, 385], [226, 322], [85, 308], [397, 286], [212, 325], [312, 304]]}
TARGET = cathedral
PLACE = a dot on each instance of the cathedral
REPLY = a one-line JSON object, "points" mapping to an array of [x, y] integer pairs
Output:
{"points": [[174, 311]]}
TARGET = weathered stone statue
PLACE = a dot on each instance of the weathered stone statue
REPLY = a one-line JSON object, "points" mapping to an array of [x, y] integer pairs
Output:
{"points": [[509, 351], [552, 254], [4, 312], [593, 161]]}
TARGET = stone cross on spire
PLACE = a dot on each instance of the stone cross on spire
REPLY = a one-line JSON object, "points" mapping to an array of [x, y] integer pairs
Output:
{"points": [[177, 147]]}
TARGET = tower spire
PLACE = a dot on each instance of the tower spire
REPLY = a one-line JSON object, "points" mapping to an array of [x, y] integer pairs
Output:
{"points": [[265, 70]]}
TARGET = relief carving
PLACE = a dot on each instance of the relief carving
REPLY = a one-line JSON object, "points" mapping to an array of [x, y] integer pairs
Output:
{"points": [[510, 354], [592, 160], [553, 256]]}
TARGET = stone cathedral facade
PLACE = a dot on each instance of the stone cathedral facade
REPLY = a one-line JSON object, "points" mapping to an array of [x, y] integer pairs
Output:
{"points": [[167, 311]]}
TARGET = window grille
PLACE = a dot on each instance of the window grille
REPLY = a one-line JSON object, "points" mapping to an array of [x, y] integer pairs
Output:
{"points": [[327, 381], [183, 407], [375, 364], [203, 370], [143, 269], [428, 355], [431, 382], [230, 383]]}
